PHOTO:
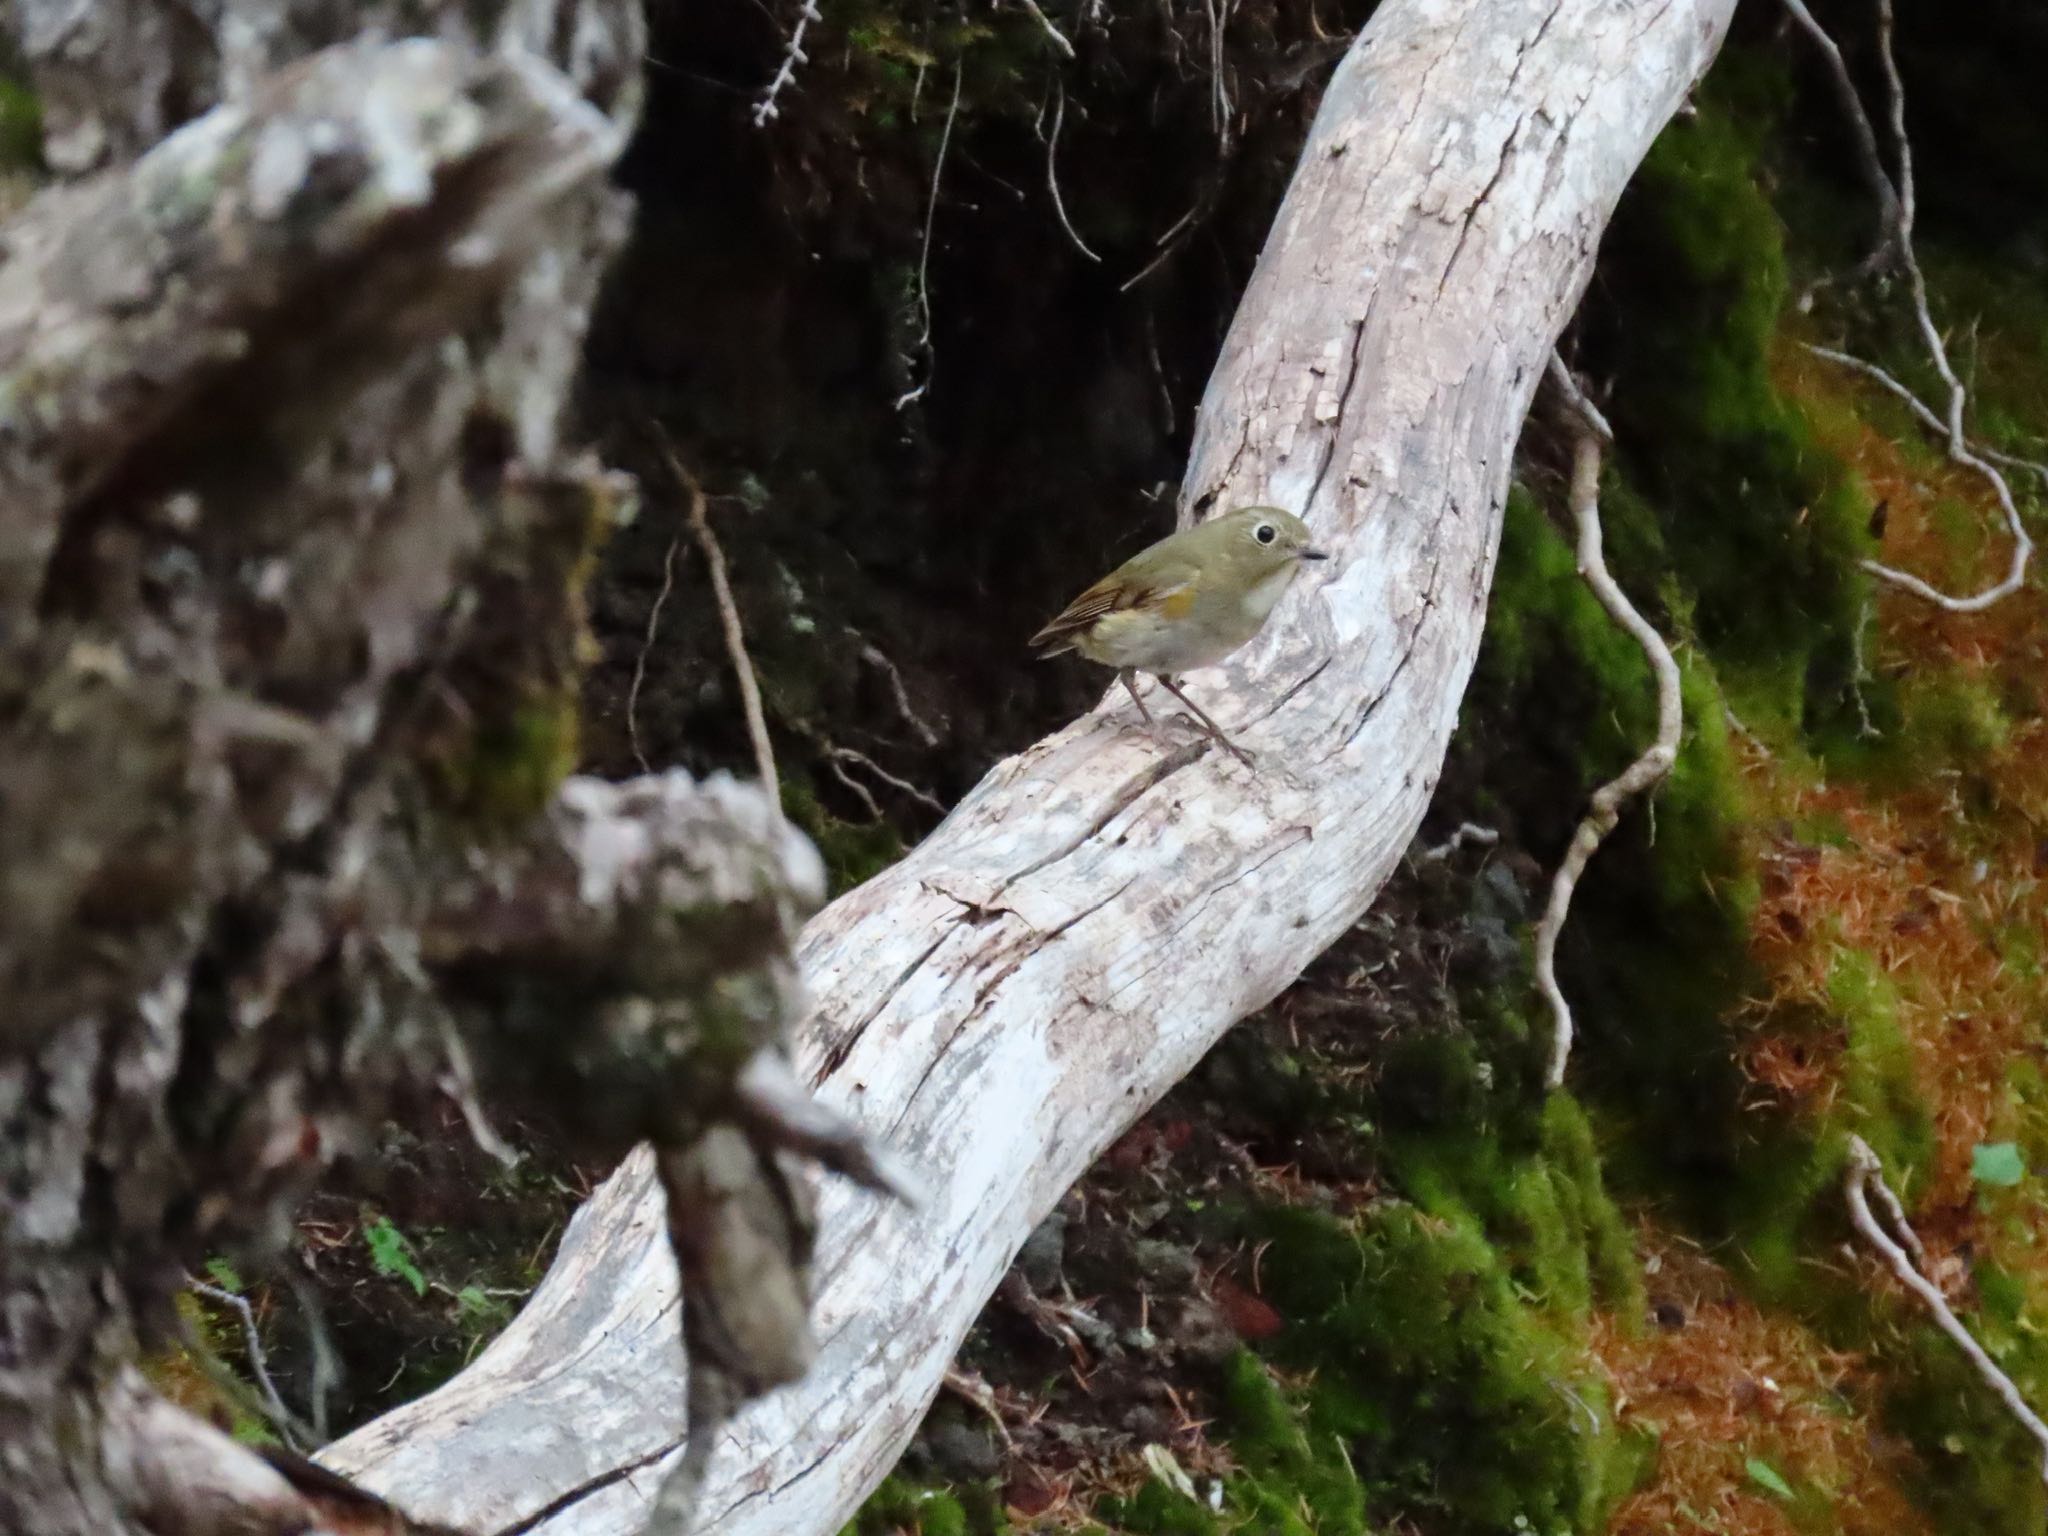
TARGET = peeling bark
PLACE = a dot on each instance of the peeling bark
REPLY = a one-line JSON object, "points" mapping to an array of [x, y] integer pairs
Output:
{"points": [[1099, 910]]}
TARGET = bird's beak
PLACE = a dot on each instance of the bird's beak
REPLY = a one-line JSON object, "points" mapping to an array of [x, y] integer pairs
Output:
{"points": [[1314, 554]]}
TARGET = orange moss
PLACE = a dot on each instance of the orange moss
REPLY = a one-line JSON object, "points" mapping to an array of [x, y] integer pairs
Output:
{"points": [[1930, 878], [1723, 1383], [1907, 469]]}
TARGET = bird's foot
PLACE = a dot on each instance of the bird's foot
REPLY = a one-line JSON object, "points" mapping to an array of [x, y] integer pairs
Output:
{"points": [[1202, 728]]}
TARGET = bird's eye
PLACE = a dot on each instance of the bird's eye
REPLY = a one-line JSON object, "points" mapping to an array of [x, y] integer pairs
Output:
{"points": [[1265, 533]]}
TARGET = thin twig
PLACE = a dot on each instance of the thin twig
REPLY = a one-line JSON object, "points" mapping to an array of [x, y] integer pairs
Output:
{"points": [[1647, 770], [668, 582], [924, 255], [460, 1085], [1895, 89], [1890, 213], [1051, 1318], [1959, 452], [1576, 400], [328, 1372], [1171, 241], [1052, 172], [1865, 1174], [729, 621], [1468, 832], [972, 1387], [765, 109], [841, 754], [1894, 1211], [1059, 38], [297, 1434], [1219, 92], [1859, 673], [2014, 461], [867, 797], [1740, 728], [1166, 411], [1899, 210], [875, 657]]}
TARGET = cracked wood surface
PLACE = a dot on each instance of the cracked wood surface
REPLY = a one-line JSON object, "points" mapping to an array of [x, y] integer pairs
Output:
{"points": [[1088, 921]]}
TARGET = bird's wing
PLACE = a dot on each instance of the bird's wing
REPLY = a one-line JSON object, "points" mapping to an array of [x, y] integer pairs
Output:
{"points": [[1115, 593]]}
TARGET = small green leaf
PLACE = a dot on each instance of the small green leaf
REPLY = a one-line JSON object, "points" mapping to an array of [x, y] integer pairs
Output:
{"points": [[222, 1274], [472, 1300], [1999, 1163], [391, 1253], [1766, 1477]]}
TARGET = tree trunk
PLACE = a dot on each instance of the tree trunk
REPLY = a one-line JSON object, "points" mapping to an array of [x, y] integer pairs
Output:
{"points": [[291, 565], [1100, 909]]}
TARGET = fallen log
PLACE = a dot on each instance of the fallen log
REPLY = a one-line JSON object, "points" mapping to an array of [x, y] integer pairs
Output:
{"points": [[1100, 909]]}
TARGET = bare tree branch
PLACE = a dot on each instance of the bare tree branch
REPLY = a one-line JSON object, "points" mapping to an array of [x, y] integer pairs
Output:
{"points": [[1467, 832], [1646, 771], [729, 623], [297, 1434], [766, 109], [668, 582], [1892, 219], [1959, 452], [1864, 1176], [1898, 205], [1052, 174], [924, 254], [1058, 37]]}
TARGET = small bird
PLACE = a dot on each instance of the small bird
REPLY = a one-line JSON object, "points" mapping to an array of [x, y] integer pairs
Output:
{"points": [[1186, 602]]}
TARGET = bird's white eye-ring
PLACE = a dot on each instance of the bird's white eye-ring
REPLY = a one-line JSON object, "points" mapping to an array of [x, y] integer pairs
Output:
{"points": [[1265, 533]]}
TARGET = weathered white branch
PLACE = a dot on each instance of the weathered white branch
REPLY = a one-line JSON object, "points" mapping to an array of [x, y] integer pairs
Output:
{"points": [[1898, 207], [766, 110], [1052, 174], [1960, 452], [1467, 832], [1059, 38], [1648, 770], [924, 255], [1868, 159], [1865, 1175], [1099, 910]]}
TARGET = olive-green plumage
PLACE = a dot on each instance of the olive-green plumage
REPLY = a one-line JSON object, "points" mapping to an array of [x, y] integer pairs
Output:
{"points": [[1186, 602]]}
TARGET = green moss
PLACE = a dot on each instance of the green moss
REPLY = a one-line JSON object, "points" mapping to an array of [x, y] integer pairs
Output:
{"points": [[1437, 1341], [1924, 722], [1441, 1388], [1655, 959], [1979, 1472], [1736, 498], [1880, 1100], [512, 766], [1614, 1277], [903, 1507], [21, 127], [854, 852], [1655, 956]]}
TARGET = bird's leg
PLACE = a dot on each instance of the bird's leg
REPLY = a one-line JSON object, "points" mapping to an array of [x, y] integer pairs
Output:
{"points": [[1130, 682], [1213, 728]]}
